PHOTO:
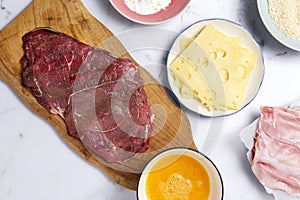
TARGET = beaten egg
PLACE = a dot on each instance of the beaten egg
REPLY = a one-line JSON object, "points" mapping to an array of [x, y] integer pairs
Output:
{"points": [[177, 177]]}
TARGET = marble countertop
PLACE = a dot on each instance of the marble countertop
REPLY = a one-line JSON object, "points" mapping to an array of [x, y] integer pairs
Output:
{"points": [[36, 164]]}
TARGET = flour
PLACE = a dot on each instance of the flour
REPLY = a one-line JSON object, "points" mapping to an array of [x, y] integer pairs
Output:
{"points": [[147, 7]]}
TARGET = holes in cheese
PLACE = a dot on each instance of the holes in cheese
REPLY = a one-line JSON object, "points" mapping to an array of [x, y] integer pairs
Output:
{"points": [[214, 69], [213, 55], [205, 62], [196, 93], [224, 74], [222, 53], [189, 76], [210, 94], [192, 73]]}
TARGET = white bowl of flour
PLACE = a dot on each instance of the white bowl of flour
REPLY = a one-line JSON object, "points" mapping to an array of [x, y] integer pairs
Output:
{"points": [[147, 7], [149, 11]]}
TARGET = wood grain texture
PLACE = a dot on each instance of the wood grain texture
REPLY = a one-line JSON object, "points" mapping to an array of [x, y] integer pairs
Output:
{"points": [[172, 128]]}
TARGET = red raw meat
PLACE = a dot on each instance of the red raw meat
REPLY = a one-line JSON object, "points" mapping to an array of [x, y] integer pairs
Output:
{"points": [[100, 97]]}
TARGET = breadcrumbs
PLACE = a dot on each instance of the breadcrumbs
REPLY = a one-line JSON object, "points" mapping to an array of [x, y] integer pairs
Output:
{"points": [[286, 16]]}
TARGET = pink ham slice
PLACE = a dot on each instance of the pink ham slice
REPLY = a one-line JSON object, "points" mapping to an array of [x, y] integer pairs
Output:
{"points": [[100, 97], [276, 153]]}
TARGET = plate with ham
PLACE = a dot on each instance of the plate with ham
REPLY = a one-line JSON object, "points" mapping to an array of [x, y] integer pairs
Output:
{"points": [[273, 143]]}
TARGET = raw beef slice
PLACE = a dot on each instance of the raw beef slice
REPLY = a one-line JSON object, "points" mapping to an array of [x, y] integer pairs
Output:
{"points": [[100, 97]]}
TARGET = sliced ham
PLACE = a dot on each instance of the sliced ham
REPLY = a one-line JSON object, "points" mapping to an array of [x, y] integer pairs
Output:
{"points": [[276, 153], [282, 124]]}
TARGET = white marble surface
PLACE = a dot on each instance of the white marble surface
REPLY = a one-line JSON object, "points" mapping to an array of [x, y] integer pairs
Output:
{"points": [[36, 164], [9, 9]]}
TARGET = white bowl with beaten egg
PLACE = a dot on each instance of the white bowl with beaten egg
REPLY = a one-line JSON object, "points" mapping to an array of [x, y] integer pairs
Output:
{"points": [[180, 173]]}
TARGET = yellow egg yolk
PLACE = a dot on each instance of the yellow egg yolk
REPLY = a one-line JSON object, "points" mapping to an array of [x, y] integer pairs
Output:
{"points": [[177, 177]]}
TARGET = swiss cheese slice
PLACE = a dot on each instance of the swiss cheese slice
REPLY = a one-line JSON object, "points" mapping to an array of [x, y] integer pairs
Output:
{"points": [[214, 69], [197, 77]]}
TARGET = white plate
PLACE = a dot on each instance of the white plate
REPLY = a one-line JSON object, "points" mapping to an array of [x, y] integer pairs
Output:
{"points": [[263, 10], [231, 29]]}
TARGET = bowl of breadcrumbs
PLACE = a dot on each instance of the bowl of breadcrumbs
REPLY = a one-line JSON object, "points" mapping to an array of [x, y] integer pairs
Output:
{"points": [[282, 20]]}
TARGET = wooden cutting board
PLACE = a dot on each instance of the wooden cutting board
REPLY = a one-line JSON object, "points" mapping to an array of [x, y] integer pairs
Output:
{"points": [[172, 128]]}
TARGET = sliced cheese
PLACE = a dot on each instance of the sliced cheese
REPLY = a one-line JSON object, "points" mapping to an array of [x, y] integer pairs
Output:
{"points": [[196, 77], [234, 62], [214, 68]]}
